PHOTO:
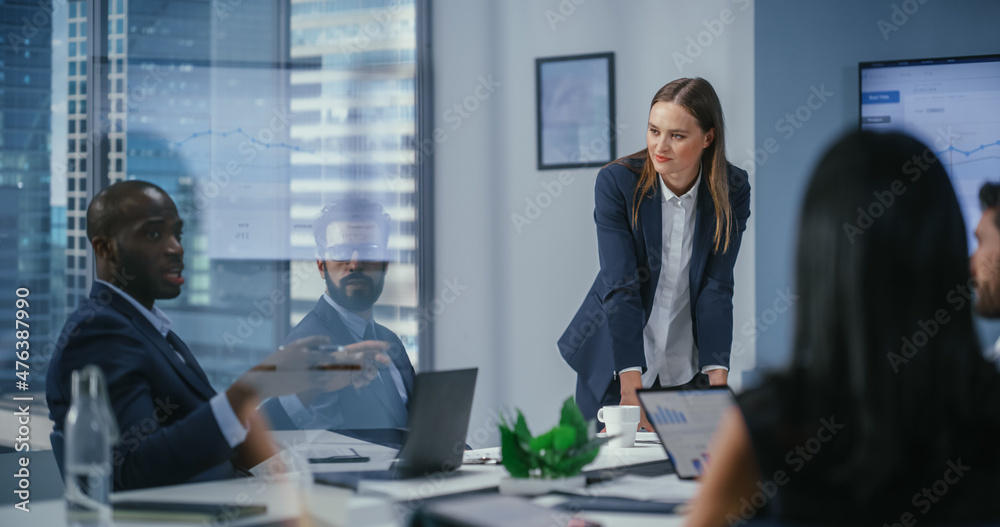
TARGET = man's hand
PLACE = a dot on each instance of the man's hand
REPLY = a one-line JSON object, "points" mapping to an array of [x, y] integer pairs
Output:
{"points": [[717, 377], [632, 381], [310, 364]]}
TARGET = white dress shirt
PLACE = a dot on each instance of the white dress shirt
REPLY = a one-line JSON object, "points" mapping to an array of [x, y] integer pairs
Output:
{"points": [[234, 432], [668, 338]]}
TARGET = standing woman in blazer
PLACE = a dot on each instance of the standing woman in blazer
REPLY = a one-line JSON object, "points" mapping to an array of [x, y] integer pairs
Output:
{"points": [[669, 223]]}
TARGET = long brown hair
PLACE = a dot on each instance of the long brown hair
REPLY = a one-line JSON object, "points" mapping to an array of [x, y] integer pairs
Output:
{"points": [[700, 100]]}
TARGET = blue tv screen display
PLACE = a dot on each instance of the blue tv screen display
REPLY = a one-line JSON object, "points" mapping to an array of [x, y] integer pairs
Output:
{"points": [[952, 105]]}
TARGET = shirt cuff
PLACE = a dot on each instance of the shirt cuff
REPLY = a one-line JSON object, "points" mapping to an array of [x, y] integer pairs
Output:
{"points": [[633, 368], [705, 369], [234, 431]]}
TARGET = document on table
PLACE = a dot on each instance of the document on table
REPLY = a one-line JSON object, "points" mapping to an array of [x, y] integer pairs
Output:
{"points": [[640, 437], [665, 489]]}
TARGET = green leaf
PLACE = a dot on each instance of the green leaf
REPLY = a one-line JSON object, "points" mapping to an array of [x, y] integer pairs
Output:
{"points": [[573, 418], [515, 460], [521, 428], [563, 438], [542, 442]]}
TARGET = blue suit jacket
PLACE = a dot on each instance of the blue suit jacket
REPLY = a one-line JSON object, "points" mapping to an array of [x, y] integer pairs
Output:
{"points": [[363, 408], [605, 335], [169, 434]]}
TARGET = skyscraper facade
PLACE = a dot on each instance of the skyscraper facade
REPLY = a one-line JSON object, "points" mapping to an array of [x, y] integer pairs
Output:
{"points": [[25, 131], [353, 98]]}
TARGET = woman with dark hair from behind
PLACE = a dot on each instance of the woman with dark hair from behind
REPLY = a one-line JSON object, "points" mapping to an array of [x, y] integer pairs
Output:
{"points": [[889, 413]]}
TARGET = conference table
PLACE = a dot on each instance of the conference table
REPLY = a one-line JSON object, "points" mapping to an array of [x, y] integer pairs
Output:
{"points": [[292, 497]]}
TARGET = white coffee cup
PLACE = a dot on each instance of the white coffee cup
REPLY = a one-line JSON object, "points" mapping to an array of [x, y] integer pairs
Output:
{"points": [[620, 421]]}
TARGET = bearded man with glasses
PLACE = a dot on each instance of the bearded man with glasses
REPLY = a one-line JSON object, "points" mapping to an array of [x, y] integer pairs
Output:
{"points": [[352, 258]]}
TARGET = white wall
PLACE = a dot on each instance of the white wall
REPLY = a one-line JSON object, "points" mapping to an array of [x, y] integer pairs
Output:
{"points": [[518, 290]]}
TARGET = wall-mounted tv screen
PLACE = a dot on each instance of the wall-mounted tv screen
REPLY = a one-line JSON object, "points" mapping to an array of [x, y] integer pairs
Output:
{"points": [[952, 105]]}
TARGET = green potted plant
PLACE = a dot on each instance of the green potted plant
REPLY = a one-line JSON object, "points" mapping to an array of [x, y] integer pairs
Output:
{"points": [[550, 461]]}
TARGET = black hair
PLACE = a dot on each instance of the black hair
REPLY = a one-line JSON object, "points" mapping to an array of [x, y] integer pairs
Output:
{"points": [[105, 215], [989, 198], [356, 209], [884, 339]]}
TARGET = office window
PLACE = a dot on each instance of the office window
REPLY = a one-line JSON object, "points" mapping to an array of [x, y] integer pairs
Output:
{"points": [[196, 87]]}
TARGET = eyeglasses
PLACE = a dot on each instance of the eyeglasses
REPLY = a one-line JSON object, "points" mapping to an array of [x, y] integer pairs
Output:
{"points": [[343, 252]]}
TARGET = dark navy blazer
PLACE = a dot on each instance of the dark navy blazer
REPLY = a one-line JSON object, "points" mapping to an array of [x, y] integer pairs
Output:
{"points": [[169, 434], [605, 335], [363, 408]]}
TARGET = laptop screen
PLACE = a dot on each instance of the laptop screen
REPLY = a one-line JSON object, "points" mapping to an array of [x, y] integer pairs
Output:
{"points": [[685, 421]]}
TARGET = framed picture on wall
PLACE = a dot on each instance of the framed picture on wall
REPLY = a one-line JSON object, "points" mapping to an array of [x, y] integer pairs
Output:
{"points": [[575, 104]]}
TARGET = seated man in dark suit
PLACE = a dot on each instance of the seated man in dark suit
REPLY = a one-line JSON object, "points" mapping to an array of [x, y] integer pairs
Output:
{"points": [[351, 238], [174, 427]]}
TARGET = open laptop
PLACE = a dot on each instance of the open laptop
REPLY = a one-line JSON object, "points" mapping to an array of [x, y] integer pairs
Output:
{"points": [[685, 421], [438, 422]]}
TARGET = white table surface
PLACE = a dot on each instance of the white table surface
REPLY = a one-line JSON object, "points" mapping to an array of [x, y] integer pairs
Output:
{"points": [[379, 504]]}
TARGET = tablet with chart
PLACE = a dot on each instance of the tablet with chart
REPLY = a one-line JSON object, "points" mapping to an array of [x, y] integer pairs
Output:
{"points": [[685, 421], [952, 105]]}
